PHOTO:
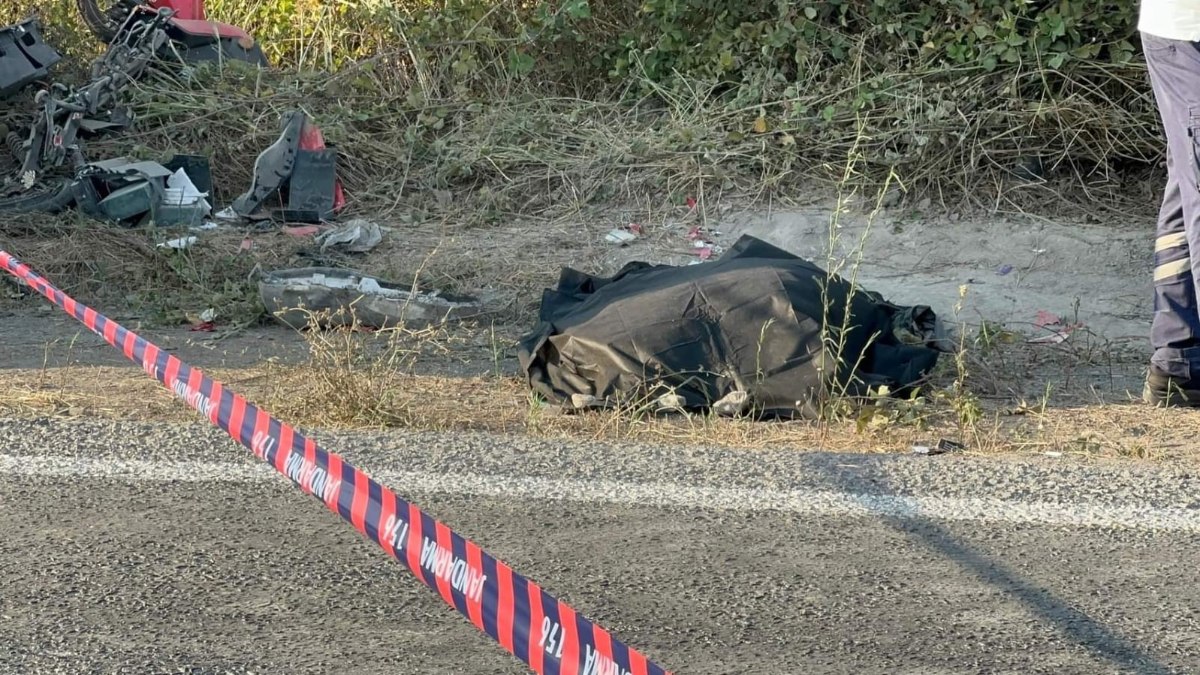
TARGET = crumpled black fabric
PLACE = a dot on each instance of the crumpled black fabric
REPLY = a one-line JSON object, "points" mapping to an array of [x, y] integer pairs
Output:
{"points": [[749, 321]]}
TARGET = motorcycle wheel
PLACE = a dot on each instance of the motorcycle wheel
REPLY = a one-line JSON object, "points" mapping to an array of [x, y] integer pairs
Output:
{"points": [[49, 199], [104, 22]]}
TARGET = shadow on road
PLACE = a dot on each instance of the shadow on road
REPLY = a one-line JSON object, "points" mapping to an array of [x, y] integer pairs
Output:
{"points": [[1068, 620]]}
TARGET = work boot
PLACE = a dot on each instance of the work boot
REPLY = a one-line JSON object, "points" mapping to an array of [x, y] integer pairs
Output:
{"points": [[1166, 391]]}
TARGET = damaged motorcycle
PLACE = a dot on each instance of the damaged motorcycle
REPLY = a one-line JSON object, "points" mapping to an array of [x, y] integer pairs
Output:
{"points": [[47, 146]]}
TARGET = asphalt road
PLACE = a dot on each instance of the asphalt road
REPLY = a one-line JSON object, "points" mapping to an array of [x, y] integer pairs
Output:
{"points": [[151, 548]]}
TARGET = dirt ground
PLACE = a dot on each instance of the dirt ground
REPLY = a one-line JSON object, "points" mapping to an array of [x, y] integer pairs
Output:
{"points": [[990, 278]]}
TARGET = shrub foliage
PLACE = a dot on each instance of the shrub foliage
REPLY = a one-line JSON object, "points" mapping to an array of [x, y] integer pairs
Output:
{"points": [[931, 88]]}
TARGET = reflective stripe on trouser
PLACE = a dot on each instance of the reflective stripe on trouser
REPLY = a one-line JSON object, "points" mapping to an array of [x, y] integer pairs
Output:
{"points": [[1174, 67]]}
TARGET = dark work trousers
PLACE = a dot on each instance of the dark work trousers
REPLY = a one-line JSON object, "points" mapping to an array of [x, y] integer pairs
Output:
{"points": [[1175, 331]]}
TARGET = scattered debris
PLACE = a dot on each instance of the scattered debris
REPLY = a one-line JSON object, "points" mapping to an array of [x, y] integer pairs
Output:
{"points": [[356, 236], [943, 446], [583, 401], [272, 167], [702, 243], [1055, 338], [339, 297], [1004, 270], [733, 404], [197, 169], [667, 402], [180, 243], [1045, 318], [314, 191], [134, 193], [1060, 331], [24, 56], [182, 202], [121, 190], [946, 445], [206, 322], [620, 237], [300, 170], [301, 231]]}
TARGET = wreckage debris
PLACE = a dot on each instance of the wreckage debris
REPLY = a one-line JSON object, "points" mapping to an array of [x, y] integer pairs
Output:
{"points": [[356, 236], [740, 333], [134, 193], [137, 32], [336, 297], [25, 57], [300, 170]]}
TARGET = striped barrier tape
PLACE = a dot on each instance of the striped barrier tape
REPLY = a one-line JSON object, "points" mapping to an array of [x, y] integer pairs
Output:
{"points": [[540, 630]]}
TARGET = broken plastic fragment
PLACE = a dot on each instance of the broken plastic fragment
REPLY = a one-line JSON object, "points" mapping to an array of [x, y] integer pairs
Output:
{"points": [[943, 446], [580, 401], [670, 402], [369, 286], [180, 243], [356, 236], [620, 237], [732, 404], [946, 445], [302, 231], [1055, 338], [181, 191], [1045, 318]]}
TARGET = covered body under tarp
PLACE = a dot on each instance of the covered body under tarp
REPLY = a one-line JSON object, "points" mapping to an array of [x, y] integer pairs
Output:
{"points": [[746, 327]]}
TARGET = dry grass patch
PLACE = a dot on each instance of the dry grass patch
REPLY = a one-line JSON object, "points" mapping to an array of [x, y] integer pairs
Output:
{"points": [[300, 395]]}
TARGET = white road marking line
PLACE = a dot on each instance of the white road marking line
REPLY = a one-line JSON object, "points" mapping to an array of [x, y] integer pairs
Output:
{"points": [[802, 502]]}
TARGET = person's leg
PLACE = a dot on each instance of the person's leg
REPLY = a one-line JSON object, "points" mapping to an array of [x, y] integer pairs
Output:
{"points": [[1175, 331]]}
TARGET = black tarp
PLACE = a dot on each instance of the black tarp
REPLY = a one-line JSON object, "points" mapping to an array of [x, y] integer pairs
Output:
{"points": [[750, 322]]}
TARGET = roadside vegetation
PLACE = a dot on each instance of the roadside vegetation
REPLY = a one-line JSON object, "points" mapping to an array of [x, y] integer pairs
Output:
{"points": [[463, 125]]}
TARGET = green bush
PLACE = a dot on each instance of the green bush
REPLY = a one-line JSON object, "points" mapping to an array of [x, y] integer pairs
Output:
{"points": [[933, 88], [764, 48]]}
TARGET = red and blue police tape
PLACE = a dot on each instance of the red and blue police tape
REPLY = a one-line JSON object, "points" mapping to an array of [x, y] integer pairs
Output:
{"points": [[537, 628]]}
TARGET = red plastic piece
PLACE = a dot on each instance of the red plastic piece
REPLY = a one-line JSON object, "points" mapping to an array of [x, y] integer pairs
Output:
{"points": [[207, 28], [185, 10], [191, 18]]}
